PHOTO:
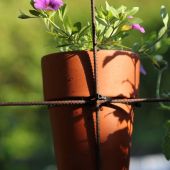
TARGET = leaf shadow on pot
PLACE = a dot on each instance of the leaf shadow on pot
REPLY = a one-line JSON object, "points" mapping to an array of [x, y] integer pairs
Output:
{"points": [[74, 137], [86, 63], [120, 53], [115, 150], [125, 67]]}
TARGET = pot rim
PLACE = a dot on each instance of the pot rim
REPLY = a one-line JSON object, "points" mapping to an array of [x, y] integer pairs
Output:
{"points": [[90, 51]]}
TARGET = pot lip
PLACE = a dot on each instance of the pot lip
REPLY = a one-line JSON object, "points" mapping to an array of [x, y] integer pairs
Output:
{"points": [[90, 51]]}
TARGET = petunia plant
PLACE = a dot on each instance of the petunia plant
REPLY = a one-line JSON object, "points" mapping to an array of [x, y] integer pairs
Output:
{"points": [[113, 27]]}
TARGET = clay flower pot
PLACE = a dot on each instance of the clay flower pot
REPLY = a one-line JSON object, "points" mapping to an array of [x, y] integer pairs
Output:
{"points": [[70, 75]]}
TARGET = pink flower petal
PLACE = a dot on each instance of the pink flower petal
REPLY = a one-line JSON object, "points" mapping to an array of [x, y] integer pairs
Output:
{"points": [[138, 27], [142, 70], [130, 17], [48, 4]]}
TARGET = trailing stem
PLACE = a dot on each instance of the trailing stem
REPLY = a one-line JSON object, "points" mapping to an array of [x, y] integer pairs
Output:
{"points": [[160, 73]]}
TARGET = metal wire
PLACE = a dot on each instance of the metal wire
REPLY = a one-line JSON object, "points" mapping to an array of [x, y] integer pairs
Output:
{"points": [[97, 125], [87, 101], [94, 39], [47, 103]]}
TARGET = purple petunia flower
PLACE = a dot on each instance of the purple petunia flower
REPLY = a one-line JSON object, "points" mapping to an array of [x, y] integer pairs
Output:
{"points": [[130, 17], [138, 27], [48, 4], [142, 70]]}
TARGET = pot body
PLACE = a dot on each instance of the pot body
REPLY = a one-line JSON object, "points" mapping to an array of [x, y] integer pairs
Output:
{"points": [[70, 75]]}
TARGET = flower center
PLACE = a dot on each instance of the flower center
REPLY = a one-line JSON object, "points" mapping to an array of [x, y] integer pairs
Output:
{"points": [[51, 5]]}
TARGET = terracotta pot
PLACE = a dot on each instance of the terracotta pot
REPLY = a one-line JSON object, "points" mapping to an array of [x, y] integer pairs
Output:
{"points": [[71, 75]]}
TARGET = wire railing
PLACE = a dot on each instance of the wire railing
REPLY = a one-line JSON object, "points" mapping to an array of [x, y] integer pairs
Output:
{"points": [[101, 102]]}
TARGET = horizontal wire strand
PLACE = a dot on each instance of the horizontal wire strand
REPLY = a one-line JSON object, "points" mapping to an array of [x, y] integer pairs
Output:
{"points": [[83, 102]]}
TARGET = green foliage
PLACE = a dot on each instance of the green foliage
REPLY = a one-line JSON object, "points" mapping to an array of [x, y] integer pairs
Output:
{"points": [[166, 143], [159, 62], [68, 35], [23, 16], [112, 26], [25, 135], [157, 44]]}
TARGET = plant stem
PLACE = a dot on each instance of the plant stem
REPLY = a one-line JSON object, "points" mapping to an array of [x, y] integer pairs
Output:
{"points": [[156, 41], [121, 23], [58, 28], [158, 84], [160, 73]]}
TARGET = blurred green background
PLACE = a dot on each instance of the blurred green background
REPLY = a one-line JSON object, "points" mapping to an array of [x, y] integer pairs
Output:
{"points": [[25, 134]]}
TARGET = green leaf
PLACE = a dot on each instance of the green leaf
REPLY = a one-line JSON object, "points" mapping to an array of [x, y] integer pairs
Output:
{"points": [[100, 29], [110, 16], [136, 46], [161, 47], [167, 40], [63, 10], [116, 23], [60, 15], [102, 21], [32, 3], [68, 26], [110, 11], [122, 9], [166, 142], [165, 19], [164, 15], [51, 14], [76, 27], [24, 16], [108, 32], [83, 30], [104, 11], [166, 94], [135, 20], [133, 11], [100, 14], [114, 12], [162, 32], [35, 13], [63, 45], [107, 6], [159, 62]]}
